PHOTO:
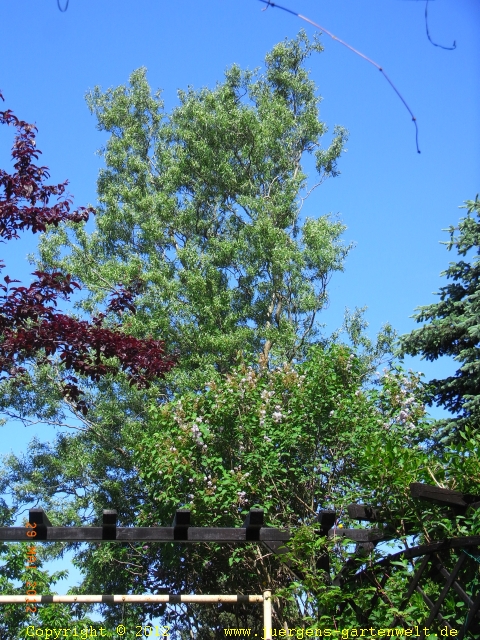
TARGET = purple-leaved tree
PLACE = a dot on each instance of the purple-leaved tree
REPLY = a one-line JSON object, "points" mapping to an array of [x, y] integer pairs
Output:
{"points": [[31, 327]]}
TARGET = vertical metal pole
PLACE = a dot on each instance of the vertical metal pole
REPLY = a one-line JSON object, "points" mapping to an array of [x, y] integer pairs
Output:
{"points": [[267, 615]]}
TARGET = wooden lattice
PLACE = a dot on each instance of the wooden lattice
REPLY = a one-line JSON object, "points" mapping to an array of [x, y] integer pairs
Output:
{"points": [[440, 570]]}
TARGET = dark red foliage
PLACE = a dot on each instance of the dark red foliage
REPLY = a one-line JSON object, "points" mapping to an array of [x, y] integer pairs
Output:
{"points": [[26, 185], [31, 329]]}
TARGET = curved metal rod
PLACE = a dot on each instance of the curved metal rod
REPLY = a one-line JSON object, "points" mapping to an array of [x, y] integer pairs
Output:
{"points": [[428, 32], [359, 53]]}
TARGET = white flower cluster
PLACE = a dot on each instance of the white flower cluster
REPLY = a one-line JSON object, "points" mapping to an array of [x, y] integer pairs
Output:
{"points": [[405, 397], [277, 415], [209, 482], [266, 395], [351, 358], [241, 498], [197, 434], [301, 379]]}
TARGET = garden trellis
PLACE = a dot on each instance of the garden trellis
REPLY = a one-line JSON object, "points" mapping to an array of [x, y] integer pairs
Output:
{"points": [[451, 563]]}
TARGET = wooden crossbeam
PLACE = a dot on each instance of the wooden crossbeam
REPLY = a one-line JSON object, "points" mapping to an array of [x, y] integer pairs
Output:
{"points": [[363, 512], [326, 520], [439, 495], [253, 524], [358, 535], [181, 531]]}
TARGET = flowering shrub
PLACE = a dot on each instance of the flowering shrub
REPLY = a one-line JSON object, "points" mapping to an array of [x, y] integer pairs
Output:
{"points": [[293, 440], [263, 437]]}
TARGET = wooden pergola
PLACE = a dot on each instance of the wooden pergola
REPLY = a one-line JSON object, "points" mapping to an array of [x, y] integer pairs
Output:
{"points": [[276, 540]]}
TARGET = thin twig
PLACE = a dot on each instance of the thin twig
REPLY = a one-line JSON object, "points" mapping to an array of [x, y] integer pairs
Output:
{"points": [[345, 44], [428, 33], [28, 422]]}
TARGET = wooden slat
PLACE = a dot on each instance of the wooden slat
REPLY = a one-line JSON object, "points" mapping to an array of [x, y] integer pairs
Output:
{"points": [[109, 524], [15, 534], [154, 534], [216, 534], [437, 494], [38, 517], [131, 534], [415, 580], [456, 587], [268, 533], [181, 524], [326, 519], [470, 617], [430, 605], [253, 523], [279, 549], [359, 535], [362, 512], [450, 580], [72, 534]]}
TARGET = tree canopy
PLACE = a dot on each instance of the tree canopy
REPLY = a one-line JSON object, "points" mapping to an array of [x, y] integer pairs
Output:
{"points": [[202, 207], [453, 328], [204, 204], [200, 216]]}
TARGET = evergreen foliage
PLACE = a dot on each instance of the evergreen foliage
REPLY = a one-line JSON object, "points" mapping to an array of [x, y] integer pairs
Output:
{"points": [[453, 328]]}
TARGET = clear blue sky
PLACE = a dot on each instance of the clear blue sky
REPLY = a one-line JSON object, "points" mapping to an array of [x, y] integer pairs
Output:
{"points": [[393, 201]]}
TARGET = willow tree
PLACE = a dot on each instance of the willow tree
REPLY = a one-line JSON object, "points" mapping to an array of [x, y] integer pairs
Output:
{"points": [[199, 210], [204, 204]]}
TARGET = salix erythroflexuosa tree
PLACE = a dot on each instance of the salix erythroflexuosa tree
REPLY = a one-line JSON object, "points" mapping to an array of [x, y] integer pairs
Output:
{"points": [[204, 203], [203, 206]]}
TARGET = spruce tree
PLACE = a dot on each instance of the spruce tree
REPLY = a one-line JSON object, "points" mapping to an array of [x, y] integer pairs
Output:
{"points": [[453, 328]]}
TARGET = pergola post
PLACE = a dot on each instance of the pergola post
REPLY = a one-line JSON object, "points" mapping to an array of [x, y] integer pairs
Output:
{"points": [[267, 615]]}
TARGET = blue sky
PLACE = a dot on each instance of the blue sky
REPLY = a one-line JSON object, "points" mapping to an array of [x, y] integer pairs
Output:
{"points": [[394, 201]]}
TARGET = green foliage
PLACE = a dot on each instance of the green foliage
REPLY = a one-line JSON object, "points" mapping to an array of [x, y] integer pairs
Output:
{"points": [[292, 440], [221, 450], [203, 204], [15, 578], [453, 329]]}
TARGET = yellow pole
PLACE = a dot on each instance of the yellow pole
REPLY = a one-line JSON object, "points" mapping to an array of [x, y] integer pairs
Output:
{"points": [[267, 615]]}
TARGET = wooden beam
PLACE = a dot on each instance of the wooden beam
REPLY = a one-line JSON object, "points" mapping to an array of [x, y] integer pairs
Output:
{"points": [[39, 518], [181, 524], [363, 512], [143, 534], [438, 495], [326, 520], [253, 523], [109, 524], [358, 535]]}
